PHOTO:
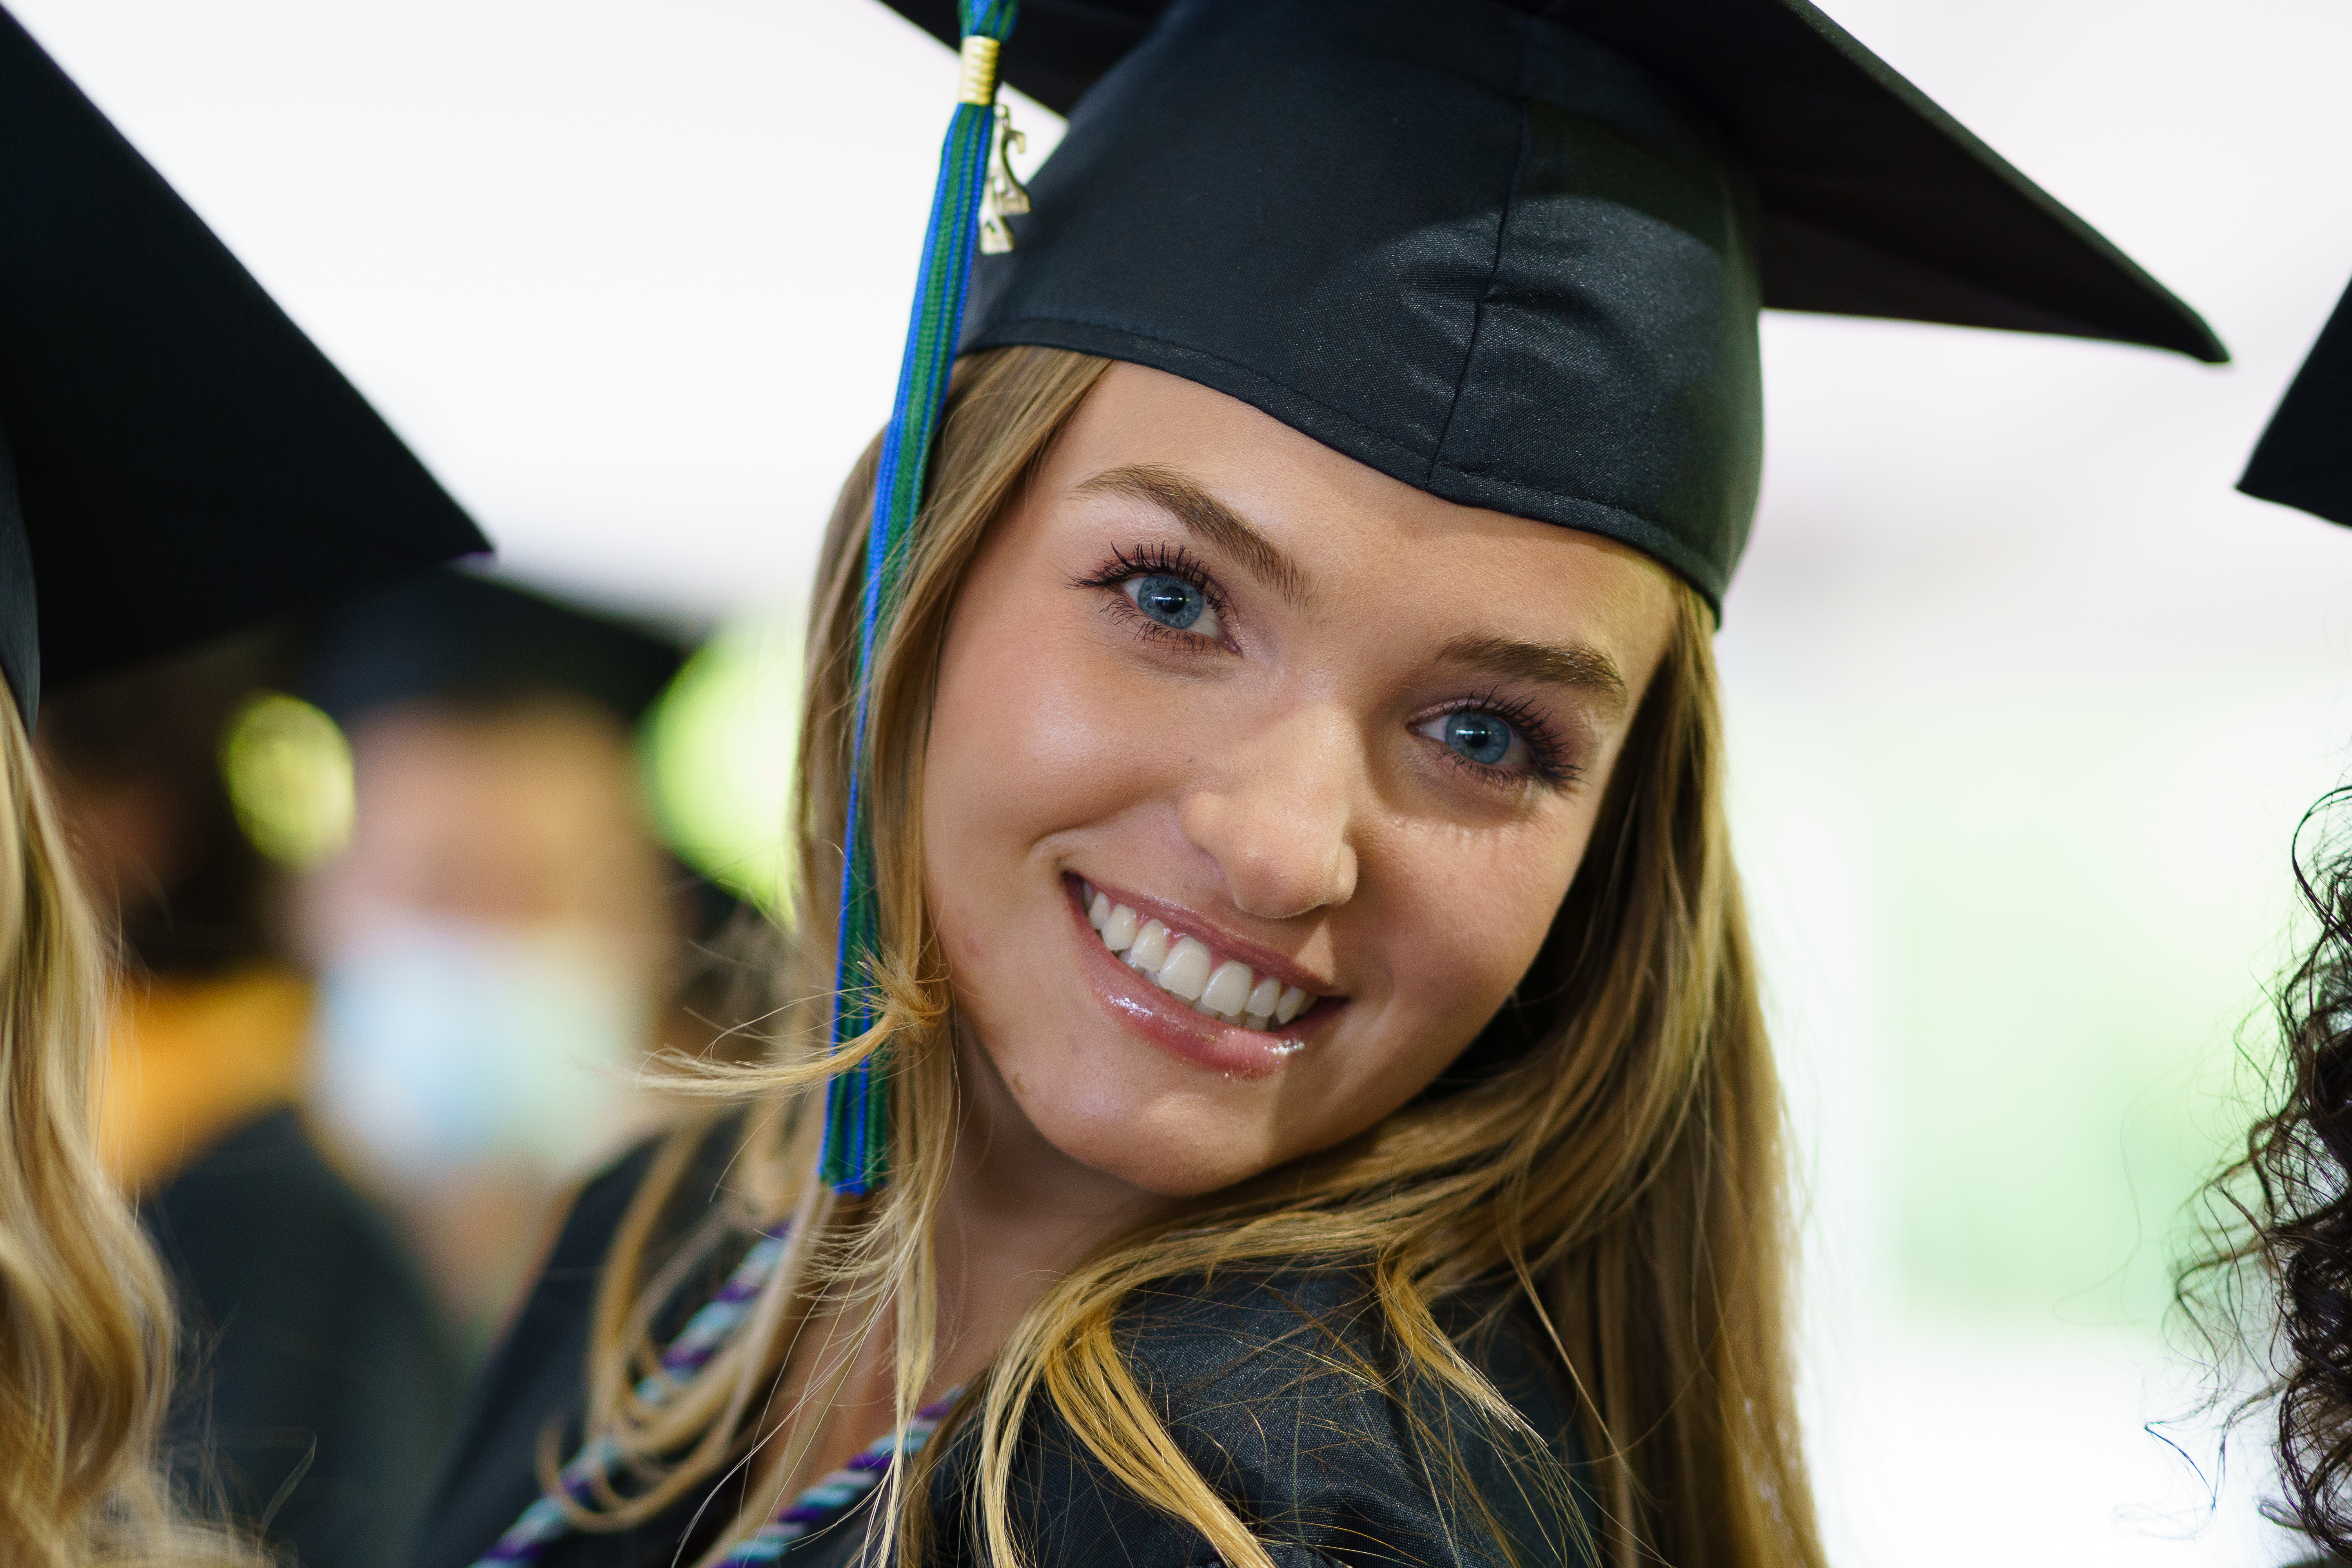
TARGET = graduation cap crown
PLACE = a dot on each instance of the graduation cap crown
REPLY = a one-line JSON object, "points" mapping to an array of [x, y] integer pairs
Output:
{"points": [[1510, 252], [449, 635]]}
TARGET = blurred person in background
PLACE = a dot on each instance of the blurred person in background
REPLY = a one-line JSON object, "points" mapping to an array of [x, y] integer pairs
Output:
{"points": [[323, 1359], [176, 460], [498, 945], [2278, 1283]]}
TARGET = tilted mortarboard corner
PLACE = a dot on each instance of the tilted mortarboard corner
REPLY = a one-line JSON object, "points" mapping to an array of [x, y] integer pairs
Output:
{"points": [[185, 460], [2304, 458]]}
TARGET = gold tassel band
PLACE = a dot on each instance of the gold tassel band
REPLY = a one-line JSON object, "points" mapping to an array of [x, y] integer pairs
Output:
{"points": [[979, 54]]}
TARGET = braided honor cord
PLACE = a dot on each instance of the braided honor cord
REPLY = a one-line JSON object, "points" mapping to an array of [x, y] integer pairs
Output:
{"points": [[856, 1127], [545, 1521], [843, 1490]]}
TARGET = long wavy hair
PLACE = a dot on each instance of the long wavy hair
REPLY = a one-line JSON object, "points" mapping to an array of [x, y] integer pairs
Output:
{"points": [[86, 1318], [1609, 1150], [2272, 1288]]}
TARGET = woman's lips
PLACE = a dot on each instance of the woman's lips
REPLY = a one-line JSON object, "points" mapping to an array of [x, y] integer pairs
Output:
{"points": [[1244, 1042]]}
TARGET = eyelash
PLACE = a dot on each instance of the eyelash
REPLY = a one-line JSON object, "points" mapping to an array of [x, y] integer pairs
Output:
{"points": [[1547, 758], [1548, 762], [1156, 561]]}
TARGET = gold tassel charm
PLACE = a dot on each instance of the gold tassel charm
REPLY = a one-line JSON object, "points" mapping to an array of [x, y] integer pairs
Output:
{"points": [[1005, 195], [979, 56]]}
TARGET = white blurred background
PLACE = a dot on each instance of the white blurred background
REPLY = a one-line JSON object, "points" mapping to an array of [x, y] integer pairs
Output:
{"points": [[2026, 701]]}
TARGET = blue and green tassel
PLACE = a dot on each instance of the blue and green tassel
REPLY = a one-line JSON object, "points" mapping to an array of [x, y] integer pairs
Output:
{"points": [[857, 1157]]}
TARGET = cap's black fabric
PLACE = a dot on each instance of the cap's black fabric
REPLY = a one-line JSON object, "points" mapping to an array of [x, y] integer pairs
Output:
{"points": [[1483, 255], [2305, 458], [185, 461], [1876, 203], [20, 635], [448, 634], [1511, 252]]}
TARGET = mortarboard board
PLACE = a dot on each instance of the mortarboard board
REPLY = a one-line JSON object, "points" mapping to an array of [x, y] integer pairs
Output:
{"points": [[454, 637], [2304, 458], [176, 458], [1511, 251]]}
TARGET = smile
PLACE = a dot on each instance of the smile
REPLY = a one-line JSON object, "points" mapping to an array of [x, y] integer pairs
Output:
{"points": [[1191, 970]]}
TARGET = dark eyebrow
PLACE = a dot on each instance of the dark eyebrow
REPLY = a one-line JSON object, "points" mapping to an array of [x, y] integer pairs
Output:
{"points": [[1577, 665], [1209, 519]]}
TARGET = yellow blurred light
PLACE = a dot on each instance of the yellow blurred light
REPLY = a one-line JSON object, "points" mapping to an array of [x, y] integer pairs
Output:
{"points": [[288, 771], [719, 749]]}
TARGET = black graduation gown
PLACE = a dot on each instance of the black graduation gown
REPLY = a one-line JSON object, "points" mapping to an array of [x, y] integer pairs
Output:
{"points": [[1244, 1371], [318, 1376]]}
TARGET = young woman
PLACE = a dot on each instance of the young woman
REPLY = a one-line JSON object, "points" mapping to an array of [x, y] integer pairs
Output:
{"points": [[175, 459], [1329, 1117]]}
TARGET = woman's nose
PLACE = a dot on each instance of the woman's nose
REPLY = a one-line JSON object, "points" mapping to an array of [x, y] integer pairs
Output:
{"points": [[1277, 818]]}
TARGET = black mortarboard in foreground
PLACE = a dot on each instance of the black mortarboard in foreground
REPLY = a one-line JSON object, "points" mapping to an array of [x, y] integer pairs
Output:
{"points": [[2305, 458], [453, 636], [1511, 251], [176, 458]]}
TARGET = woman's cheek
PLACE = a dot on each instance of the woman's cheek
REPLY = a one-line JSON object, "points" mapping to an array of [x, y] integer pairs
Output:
{"points": [[1086, 739], [1478, 921], [1020, 720]]}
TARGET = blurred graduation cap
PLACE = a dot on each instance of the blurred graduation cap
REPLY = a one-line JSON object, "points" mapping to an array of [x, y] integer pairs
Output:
{"points": [[453, 636], [2304, 458], [176, 458], [1511, 251]]}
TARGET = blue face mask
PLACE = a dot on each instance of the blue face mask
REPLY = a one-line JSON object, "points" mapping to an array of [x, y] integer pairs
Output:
{"points": [[446, 1043]]}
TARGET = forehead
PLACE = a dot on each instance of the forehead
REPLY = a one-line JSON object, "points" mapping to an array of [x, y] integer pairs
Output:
{"points": [[1357, 534]]}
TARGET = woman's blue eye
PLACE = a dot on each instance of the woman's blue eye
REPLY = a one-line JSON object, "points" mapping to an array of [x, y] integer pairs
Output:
{"points": [[1480, 737], [1170, 601]]}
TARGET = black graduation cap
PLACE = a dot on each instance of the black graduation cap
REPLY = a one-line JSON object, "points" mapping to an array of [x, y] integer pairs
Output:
{"points": [[454, 636], [176, 458], [2305, 458], [1511, 251]]}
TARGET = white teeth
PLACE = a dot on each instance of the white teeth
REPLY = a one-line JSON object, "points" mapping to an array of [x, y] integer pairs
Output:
{"points": [[1185, 967], [1185, 970], [1150, 948], [1227, 989]]}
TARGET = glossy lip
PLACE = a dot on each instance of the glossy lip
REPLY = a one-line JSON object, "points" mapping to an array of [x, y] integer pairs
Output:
{"points": [[1169, 1021]]}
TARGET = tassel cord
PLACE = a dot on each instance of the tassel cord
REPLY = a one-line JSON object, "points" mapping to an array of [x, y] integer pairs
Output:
{"points": [[857, 1142]]}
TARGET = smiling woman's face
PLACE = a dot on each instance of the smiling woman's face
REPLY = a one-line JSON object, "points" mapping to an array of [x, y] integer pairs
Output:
{"points": [[1317, 750]]}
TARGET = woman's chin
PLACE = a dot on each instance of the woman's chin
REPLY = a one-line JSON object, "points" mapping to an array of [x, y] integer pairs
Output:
{"points": [[1169, 1155]]}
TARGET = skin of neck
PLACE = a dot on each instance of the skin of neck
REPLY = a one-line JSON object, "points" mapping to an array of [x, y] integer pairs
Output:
{"points": [[1018, 1215]]}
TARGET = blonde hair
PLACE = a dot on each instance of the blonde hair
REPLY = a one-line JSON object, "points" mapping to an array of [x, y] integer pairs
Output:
{"points": [[1611, 1146], [86, 1319]]}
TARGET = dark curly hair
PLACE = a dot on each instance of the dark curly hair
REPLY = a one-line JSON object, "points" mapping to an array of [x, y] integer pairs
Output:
{"points": [[2280, 1217]]}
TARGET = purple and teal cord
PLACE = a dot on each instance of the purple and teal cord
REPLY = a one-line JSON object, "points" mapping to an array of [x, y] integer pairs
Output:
{"points": [[545, 1521], [843, 1490]]}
